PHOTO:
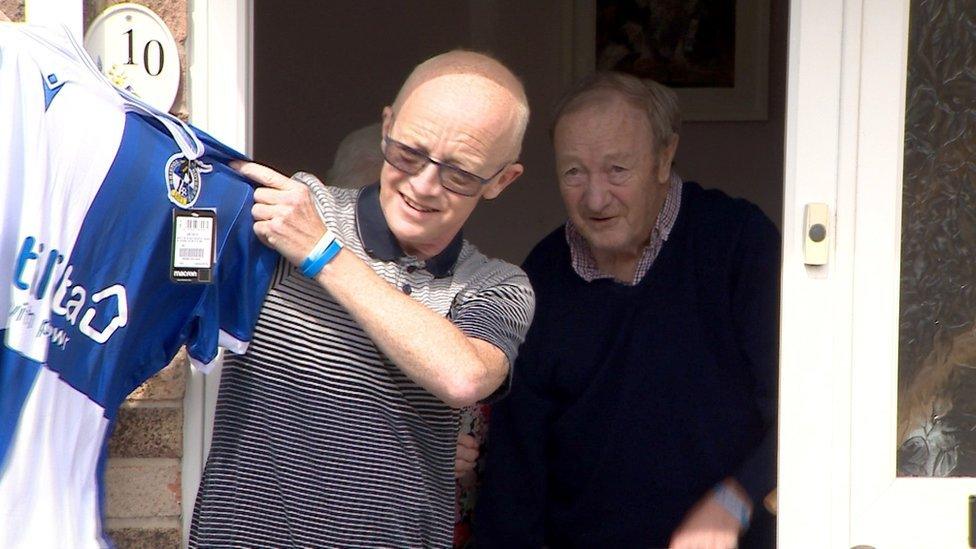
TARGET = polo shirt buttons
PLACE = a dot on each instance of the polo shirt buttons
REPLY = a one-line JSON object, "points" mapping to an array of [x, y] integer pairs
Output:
{"points": [[407, 289]]}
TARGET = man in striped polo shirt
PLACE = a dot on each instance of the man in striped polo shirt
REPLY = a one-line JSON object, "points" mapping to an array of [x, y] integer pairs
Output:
{"points": [[338, 426]]}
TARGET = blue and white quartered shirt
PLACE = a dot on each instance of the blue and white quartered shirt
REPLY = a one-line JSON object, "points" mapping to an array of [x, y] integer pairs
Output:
{"points": [[89, 180]]}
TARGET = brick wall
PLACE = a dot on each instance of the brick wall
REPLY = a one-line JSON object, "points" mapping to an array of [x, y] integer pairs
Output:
{"points": [[142, 478], [11, 10]]}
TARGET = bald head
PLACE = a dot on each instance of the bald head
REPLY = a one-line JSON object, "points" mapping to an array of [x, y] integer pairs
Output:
{"points": [[471, 73]]}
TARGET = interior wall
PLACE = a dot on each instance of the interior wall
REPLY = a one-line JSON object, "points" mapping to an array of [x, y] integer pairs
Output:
{"points": [[745, 159], [324, 69]]}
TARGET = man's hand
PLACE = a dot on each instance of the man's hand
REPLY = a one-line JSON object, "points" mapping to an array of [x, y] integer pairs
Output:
{"points": [[467, 455], [708, 525], [285, 217]]}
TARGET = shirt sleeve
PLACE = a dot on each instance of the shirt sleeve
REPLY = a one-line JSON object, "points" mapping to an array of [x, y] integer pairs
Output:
{"points": [[497, 311], [228, 310]]}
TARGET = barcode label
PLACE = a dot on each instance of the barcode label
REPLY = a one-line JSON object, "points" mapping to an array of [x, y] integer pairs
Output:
{"points": [[190, 223], [191, 254], [193, 240]]}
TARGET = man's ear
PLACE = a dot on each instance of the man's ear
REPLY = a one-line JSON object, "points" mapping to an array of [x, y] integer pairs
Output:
{"points": [[387, 120], [666, 160], [495, 188]]}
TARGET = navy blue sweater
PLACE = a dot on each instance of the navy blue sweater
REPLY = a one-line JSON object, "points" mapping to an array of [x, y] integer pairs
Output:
{"points": [[629, 403]]}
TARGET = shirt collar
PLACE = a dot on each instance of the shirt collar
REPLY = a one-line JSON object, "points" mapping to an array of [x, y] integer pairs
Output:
{"points": [[380, 243]]}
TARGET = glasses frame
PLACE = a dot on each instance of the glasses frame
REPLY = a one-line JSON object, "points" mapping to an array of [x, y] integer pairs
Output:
{"points": [[441, 166]]}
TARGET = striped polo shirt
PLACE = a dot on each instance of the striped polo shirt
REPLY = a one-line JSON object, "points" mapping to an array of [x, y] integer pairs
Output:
{"points": [[319, 440]]}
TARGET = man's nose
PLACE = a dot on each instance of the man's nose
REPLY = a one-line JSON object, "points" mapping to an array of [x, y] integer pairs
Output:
{"points": [[596, 195], [427, 181]]}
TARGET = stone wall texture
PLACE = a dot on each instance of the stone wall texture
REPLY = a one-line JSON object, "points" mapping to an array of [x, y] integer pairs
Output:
{"points": [[11, 10], [142, 477]]}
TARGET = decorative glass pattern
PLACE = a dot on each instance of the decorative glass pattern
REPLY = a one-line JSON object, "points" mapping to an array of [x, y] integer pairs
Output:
{"points": [[937, 334]]}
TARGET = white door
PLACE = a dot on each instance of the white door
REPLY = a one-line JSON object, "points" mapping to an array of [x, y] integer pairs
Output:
{"points": [[878, 371]]}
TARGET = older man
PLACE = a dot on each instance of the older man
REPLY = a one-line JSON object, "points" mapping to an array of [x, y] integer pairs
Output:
{"points": [[338, 427], [642, 413]]}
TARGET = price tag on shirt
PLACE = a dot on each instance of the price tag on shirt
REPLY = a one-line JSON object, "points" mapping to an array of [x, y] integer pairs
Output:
{"points": [[194, 234]]}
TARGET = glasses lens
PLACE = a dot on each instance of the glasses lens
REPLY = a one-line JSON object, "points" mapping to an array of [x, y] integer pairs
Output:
{"points": [[404, 158], [412, 162], [458, 181]]}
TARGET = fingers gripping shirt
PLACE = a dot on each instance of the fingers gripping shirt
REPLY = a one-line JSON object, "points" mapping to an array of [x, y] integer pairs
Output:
{"points": [[90, 178]]}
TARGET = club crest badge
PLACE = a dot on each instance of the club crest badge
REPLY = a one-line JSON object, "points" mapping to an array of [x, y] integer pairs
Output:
{"points": [[183, 179]]}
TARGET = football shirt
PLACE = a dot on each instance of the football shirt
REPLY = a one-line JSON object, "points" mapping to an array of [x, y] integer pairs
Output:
{"points": [[97, 297]]}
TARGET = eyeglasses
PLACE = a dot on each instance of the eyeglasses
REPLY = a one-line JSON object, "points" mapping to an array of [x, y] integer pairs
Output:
{"points": [[411, 162]]}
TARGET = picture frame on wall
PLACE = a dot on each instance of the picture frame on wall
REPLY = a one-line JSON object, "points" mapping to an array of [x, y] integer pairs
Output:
{"points": [[713, 53]]}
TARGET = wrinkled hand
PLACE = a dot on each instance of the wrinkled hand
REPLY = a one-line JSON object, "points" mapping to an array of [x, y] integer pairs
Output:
{"points": [[467, 455], [285, 217], [707, 526]]}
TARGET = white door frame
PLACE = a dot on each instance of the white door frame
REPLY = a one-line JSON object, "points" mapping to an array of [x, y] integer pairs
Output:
{"points": [[814, 412], [220, 54]]}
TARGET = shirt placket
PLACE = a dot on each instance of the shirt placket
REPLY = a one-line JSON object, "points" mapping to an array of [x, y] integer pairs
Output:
{"points": [[407, 274]]}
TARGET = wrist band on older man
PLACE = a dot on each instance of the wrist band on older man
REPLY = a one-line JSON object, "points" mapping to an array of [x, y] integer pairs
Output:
{"points": [[324, 251], [733, 504]]}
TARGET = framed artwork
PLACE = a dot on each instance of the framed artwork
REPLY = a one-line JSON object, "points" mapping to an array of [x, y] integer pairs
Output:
{"points": [[713, 53]]}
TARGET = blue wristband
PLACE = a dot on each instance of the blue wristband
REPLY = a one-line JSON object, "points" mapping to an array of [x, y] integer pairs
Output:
{"points": [[733, 504], [317, 250], [321, 254]]}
